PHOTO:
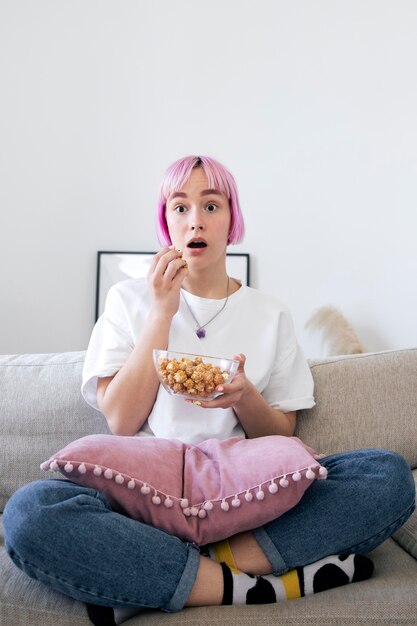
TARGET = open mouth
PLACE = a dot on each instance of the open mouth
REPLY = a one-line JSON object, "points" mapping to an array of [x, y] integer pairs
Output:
{"points": [[197, 244]]}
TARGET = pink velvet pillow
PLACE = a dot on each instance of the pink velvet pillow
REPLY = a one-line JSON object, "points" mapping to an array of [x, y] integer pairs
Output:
{"points": [[201, 493]]}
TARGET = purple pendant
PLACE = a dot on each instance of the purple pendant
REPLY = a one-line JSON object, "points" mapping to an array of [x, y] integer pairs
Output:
{"points": [[200, 332]]}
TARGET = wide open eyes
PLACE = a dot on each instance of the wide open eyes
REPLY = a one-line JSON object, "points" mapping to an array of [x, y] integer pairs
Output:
{"points": [[210, 208]]}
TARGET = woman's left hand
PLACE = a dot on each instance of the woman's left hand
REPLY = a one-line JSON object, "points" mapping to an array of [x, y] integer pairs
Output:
{"points": [[231, 393]]}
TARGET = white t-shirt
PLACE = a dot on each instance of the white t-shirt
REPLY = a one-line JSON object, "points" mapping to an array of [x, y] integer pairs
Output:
{"points": [[252, 323]]}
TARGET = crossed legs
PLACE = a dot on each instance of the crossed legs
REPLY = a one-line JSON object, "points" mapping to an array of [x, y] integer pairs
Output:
{"points": [[69, 538]]}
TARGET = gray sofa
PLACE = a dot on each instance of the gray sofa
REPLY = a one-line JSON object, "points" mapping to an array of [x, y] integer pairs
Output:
{"points": [[362, 401]]}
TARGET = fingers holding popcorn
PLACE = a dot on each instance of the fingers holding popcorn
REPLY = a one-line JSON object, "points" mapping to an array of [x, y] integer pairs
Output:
{"points": [[165, 276], [163, 260], [173, 269]]}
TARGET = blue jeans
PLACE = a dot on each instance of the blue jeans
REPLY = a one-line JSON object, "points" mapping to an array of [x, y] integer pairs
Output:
{"points": [[69, 538]]}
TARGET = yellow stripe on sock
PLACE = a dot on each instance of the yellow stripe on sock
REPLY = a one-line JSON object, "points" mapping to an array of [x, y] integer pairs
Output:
{"points": [[223, 552], [291, 584]]}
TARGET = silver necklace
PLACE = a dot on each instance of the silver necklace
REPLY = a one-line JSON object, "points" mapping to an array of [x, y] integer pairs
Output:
{"points": [[200, 332]]}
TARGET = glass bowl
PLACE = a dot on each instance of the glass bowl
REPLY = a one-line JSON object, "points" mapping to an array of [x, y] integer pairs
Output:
{"points": [[193, 376]]}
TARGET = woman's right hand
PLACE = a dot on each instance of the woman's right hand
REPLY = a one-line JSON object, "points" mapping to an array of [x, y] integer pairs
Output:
{"points": [[168, 270]]}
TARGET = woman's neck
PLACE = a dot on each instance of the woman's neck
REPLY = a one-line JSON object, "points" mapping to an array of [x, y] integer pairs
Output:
{"points": [[207, 286], [211, 289]]}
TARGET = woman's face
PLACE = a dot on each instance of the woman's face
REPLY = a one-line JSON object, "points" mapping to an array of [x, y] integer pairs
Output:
{"points": [[198, 221]]}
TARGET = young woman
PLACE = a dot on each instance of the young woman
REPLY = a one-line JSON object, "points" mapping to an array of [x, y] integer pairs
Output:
{"points": [[68, 537]]}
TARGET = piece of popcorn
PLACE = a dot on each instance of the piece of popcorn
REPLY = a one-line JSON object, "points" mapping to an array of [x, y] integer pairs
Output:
{"points": [[180, 376], [208, 377]]}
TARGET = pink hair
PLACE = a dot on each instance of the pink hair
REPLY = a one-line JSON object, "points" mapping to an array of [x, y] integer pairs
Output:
{"points": [[218, 178]]}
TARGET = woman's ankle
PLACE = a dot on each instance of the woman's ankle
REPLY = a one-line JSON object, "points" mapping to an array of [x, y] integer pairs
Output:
{"points": [[208, 585], [248, 555]]}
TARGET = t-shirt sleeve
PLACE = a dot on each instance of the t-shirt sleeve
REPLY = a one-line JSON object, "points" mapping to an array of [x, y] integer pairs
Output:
{"points": [[110, 346], [291, 385]]}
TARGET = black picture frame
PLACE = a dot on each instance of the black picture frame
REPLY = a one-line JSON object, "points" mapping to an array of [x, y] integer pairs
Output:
{"points": [[116, 265]]}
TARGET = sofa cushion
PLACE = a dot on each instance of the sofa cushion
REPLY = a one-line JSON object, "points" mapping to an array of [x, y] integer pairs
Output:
{"points": [[41, 409], [364, 401], [199, 492]]}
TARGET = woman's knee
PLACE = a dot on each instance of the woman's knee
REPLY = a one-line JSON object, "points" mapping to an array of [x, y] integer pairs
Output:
{"points": [[35, 511], [20, 516], [375, 479], [391, 479], [399, 476]]}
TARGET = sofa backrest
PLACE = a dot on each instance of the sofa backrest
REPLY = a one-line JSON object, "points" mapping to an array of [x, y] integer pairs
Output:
{"points": [[41, 410], [362, 401]]}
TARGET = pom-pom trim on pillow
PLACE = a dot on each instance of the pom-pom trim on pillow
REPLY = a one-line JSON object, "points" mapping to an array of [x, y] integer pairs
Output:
{"points": [[201, 492], [199, 509]]}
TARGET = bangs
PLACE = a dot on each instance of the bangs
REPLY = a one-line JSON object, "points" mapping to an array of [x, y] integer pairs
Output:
{"points": [[178, 174]]}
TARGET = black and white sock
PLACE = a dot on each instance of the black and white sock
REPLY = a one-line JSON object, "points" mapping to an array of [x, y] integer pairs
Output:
{"points": [[332, 571], [240, 588]]}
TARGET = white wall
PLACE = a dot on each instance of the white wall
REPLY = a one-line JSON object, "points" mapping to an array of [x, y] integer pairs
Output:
{"points": [[312, 105]]}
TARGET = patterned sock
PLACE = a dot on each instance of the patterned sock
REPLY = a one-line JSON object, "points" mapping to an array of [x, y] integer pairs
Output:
{"points": [[222, 553], [332, 571]]}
